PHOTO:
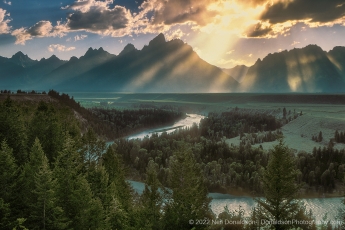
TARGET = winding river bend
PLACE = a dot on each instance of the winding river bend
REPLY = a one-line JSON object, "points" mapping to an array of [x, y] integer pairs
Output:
{"points": [[319, 206], [186, 122]]}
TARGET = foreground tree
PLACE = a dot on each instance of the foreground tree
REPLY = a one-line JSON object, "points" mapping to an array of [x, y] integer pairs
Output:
{"points": [[44, 211], [74, 193], [8, 170], [151, 200], [187, 200], [280, 189]]}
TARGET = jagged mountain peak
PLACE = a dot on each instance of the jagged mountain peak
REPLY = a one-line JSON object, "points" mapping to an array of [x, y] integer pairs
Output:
{"points": [[53, 57], [93, 52], [128, 48], [73, 58], [160, 39], [22, 59], [19, 54]]}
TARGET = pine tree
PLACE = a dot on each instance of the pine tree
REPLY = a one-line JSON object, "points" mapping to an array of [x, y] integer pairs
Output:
{"points": [[336, 136], [284, 113], [151, 199], [26, 183], [8, 171], [12, 130], [319, 138], [280, 188], [5, 213], [187, 199], [73, 191], [46, 126], [116, 172], [93, 148], [119, 197], [44, 211]]}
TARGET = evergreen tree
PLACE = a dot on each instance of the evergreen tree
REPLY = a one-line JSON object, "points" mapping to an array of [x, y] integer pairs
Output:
{"points": [[117, 216], [320, 138], [151, 199], [92, 149], [280, 188], [116, 172], [5, 213], [26, 183], [187, 199], [13, 131], [284, 113], [119, 197], [44, 211], [8, 170], [46, 126], [73, 191]]}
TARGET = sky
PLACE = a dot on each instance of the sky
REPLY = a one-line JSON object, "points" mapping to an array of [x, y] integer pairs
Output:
{"points": [[225, 33]]}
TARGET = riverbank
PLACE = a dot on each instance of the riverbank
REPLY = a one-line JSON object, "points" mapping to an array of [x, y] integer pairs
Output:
{"points": [[318, 206]]}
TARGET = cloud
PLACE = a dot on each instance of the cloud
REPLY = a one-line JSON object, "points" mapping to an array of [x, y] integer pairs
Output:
{"points": [[40, 29], [182, 11], [281, 15], [4, 27], [249, 19], [97, 17], [174, 34], [87, 15], [59, 48], [320, 11], [8, 3], [79, 38], [259, 30], [294, 43]]}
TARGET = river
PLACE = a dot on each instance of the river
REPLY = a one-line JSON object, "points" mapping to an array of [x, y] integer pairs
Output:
{"points": [[186, 122], [319, 206]]}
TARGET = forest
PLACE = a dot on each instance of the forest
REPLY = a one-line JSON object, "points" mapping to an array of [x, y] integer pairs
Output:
{"points": [[56, 171]]}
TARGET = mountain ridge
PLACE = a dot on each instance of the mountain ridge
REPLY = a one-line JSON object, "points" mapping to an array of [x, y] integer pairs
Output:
{"points": [[308, 69], [173, 66]]}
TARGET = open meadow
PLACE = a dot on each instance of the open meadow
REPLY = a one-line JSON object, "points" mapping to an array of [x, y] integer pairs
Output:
{"points": [[320, 112]]}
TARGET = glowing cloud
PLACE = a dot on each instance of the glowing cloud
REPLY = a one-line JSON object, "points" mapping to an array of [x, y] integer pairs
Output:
{"points": [[4, 27], [79, 38], [59, 48], [40, 29]]}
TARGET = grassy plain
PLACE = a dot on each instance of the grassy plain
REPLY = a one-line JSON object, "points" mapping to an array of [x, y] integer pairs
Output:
{"points": [[321, 112]]}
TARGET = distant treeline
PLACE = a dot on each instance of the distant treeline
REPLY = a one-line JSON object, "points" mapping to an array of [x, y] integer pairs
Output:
{"points": [[113, 123], [125, 122], [19, 91], [237, 122]]}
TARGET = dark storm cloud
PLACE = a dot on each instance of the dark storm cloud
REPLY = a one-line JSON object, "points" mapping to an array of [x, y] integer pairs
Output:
{"points": [[322, 11], [40, 28], [96, 20], [259, 30]]}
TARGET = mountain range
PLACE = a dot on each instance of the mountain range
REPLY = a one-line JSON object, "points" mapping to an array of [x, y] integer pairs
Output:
{"points": [[173, 66]]}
